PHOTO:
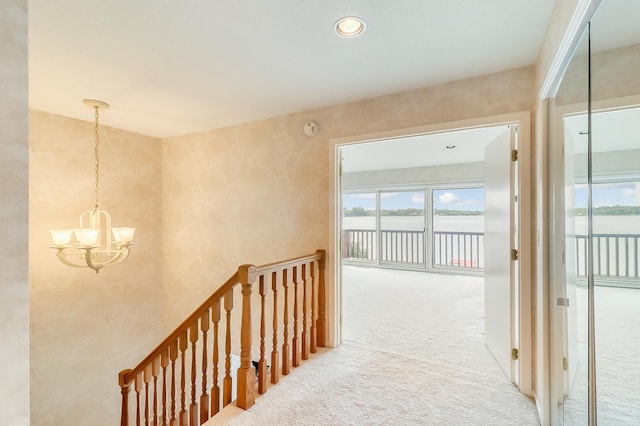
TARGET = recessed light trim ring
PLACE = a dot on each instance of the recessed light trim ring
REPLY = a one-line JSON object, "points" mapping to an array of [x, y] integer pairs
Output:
{"points": [[350, 26]]}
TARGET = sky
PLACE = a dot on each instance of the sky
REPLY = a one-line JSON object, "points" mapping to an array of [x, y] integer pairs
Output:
{"points": [[453, 199], [604, 194], [608, 194]]}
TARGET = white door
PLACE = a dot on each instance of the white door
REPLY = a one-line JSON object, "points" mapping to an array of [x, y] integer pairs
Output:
{"points": [[500, 273]]}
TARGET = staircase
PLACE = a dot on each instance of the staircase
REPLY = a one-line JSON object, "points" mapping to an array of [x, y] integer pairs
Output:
{"points": [[188, 378]]}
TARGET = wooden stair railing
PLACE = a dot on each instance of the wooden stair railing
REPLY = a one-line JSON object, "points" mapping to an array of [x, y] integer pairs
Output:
{"points": [[163, 397]]}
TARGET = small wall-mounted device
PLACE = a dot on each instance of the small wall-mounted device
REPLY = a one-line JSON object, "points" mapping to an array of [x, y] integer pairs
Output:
{"points": [[310, 128]]}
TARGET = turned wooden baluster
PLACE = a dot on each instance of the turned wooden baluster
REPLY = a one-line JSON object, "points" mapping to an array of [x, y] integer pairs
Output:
{"points": [[313, 334], [262, 363], [173, 356], [215, 389], [124, 391], [295, 355], [184, 415], [204, 398], [228, 381], [321, 300], [147, 379], [155, 370], [286, 361], [193, 408], [164, 362], [138, 388], [246, 395], [275, 357], [305, 336]]}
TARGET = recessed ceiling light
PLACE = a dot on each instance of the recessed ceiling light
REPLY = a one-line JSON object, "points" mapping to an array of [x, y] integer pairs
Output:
{"points": [[350, 26], [450, 146]]}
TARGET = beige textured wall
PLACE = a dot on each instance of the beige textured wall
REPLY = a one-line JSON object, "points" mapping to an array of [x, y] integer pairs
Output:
{"points": [[259, 192], [86, 327], [14, 205]]}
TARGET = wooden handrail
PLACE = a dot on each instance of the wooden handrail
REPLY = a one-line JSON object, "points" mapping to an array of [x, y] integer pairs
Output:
{"points": [[270, 267], [219, 293], [185, 338]]}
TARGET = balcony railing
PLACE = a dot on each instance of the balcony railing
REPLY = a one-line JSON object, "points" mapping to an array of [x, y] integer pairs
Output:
{"points": [[616, 256], [449, 250], [458, 249]]}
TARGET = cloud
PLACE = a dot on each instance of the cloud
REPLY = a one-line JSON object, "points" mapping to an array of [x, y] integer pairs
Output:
{"points": [[418, 198], [448, 198], [627, 193]]}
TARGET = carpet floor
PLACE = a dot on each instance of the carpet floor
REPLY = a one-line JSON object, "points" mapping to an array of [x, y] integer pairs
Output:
{"points": [[413, 353]]}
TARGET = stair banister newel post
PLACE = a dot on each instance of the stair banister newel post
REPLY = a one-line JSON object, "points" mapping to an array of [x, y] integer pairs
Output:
{"points": [[124, 390], [204, 396], [215, 388], [295, 354], [321, 300], [275, 356], [305, 303], [246, 373], [262, 363]]}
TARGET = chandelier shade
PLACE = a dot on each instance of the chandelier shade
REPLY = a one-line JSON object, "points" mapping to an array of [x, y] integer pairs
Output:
{"points": [[94, 244]]}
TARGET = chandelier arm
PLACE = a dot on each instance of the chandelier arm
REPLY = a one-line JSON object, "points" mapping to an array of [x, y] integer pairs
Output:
{"points": [[62, 254], [120, 256], [88, 258]]}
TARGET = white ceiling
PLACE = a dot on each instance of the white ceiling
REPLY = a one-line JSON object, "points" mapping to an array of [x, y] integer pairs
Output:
{"points": [[174, 67], [420, 151]]}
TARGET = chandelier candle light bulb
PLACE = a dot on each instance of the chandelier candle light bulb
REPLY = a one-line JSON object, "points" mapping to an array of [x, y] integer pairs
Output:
{"points": [[95, 243]]}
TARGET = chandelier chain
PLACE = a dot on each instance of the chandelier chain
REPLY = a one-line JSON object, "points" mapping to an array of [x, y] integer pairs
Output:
{"points": [[97, 152]]}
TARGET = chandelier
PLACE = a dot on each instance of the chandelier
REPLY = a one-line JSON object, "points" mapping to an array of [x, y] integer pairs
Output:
{"points": [[95, 243]]}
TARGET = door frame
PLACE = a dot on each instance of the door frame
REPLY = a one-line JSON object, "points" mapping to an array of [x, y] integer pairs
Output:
{"points": [[526, 298]]}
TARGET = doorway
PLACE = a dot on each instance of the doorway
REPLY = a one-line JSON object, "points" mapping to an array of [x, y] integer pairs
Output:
{"points": [[368, 180]]}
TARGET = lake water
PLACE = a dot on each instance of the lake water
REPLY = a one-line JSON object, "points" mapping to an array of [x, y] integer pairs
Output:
{"points": [[416, 223], [601, 224]]}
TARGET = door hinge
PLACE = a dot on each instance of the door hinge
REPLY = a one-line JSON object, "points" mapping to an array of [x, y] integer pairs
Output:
{"points": [[514, 155], [514, 254], [514, 354], [565, 363]]}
